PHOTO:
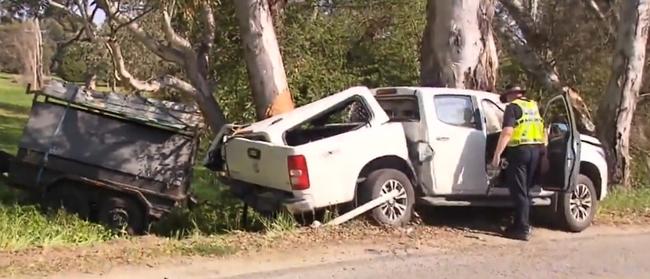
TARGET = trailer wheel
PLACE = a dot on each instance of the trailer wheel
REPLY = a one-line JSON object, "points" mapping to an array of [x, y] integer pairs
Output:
{"points": [[122, 214], [69, 197]]}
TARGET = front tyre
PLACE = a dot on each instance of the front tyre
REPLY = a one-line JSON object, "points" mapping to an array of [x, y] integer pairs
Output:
{"points": [[397, 211], [576, 210]]}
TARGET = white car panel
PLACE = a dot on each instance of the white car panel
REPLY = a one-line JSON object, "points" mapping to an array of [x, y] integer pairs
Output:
{"points": [[334, 163]]}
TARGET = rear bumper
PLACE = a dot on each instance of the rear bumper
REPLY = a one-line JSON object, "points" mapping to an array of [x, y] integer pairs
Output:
{"points": [[264, 199], [299, 205]]}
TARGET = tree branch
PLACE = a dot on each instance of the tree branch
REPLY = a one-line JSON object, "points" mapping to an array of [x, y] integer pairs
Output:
{"points": [[171, 36], [120, 67], [593, 6], [87, 25], [121, 25], [523, 19], [151, 85], [203, 53], [164, 52], [643, 98]]}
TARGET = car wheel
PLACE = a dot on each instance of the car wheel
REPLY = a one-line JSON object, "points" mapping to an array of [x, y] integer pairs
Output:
{"points": [[122, 214], [576, 210], [397, 211], [68, 197]]}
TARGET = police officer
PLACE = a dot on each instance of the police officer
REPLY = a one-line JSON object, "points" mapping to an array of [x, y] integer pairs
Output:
{"points": [[522, 139]]}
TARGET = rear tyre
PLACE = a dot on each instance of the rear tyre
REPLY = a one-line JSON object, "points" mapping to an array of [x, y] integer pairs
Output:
{"points": [[122, 214], [576, 210], [69, 197], [397, 211]]}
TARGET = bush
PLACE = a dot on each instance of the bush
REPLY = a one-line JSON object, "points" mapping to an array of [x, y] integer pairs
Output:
{"points": [[72, 68]]}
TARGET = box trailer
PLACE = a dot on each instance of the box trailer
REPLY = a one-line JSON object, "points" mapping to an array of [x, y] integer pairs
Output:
{"points": [[121, 160]]}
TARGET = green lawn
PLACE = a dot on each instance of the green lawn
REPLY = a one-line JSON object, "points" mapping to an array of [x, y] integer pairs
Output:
{"points": [[14, 106]]}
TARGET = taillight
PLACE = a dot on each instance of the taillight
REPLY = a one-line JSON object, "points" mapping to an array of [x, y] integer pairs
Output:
{"points": [[298, 173]]}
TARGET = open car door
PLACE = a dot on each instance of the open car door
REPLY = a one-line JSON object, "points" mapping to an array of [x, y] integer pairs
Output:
{"points": [[563, 146]]}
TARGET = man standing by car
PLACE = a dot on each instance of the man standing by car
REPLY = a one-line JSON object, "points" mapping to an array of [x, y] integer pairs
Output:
{"points": [[522, 139]]}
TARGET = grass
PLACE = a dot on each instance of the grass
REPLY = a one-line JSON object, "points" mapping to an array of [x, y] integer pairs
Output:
{"points": [[25, 226], [14, 105], [634, 202]]}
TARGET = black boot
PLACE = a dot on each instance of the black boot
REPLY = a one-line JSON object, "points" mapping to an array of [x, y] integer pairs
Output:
{"points": [[518, 233]]}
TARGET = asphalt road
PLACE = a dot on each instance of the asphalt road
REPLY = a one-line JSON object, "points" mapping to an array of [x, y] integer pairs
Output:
{"points": [[599, 252], [624, 256]]}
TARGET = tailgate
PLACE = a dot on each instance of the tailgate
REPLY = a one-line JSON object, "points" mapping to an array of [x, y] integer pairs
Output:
{"points": [[258, 162]]}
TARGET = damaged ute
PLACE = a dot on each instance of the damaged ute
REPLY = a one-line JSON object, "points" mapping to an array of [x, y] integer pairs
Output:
{"points": [[418, 145]]}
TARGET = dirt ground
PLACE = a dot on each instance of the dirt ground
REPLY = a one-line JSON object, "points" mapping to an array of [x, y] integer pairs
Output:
{"points": [[364, 258], [153, 257]]}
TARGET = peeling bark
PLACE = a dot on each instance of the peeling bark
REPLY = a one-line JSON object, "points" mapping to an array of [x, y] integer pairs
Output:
{"points": [[266, 72], [29, 45], [458, 48], [617, 107]]}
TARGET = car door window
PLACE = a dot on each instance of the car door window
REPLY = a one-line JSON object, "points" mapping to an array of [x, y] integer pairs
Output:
{"points": [[493, 116], [456, 110]]}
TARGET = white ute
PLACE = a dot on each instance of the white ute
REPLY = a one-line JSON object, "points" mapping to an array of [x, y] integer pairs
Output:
{"points": [[421, 145]]}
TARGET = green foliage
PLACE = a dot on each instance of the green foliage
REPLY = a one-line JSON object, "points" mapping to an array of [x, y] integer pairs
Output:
{"points": [[72, 68], [83, 58], [323, 53], [25, 226]]}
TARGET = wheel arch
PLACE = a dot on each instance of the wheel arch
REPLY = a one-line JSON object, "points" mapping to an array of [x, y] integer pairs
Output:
{"points": [[593, 173], [389, 162]]}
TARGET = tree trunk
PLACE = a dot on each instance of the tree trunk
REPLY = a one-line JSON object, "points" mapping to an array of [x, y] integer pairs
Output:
{"points": [[459, 43], [30, 50], [617, 106], [91, 81], [266, 73], [38, 45], [429, 70]]}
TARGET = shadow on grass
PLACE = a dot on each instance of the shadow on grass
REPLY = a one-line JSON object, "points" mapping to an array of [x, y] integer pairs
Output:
{"points": [[15, 109], [12, 121]]}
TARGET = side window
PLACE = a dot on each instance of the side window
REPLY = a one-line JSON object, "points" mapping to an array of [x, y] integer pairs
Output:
{"points": [[455, 110], [493, 116], [556, 120], [342, 118]]}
